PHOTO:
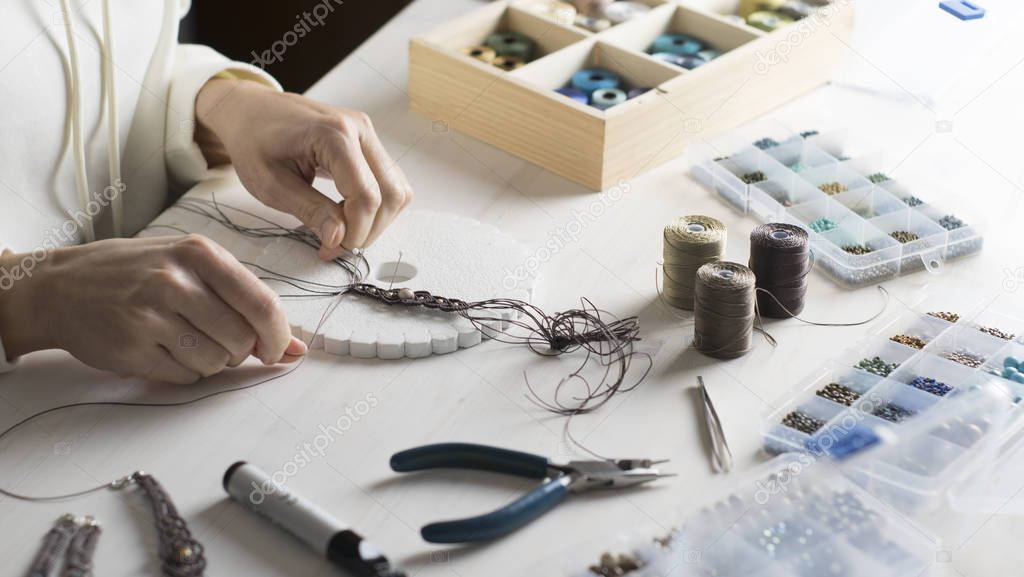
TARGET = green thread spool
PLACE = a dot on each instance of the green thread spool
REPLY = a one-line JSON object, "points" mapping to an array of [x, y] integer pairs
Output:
{"points": [[511, 44]]}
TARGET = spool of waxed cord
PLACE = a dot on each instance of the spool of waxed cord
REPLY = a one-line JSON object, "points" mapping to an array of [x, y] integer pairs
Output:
{"points": [[724, 310], [690, 243], [780, 257]]}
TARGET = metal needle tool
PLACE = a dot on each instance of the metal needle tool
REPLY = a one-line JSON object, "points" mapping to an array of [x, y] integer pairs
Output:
{"points": [[721, 456]]}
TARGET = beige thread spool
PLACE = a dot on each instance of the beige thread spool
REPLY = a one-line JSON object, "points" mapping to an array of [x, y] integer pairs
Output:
{"points": [[561, 12], [690, 242], [724, 310], [509, 63], [481, 53]]}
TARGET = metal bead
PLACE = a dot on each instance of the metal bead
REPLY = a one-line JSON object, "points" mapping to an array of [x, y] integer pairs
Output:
{"points": [[945, 315], [802, 422], [893, 413], [182, 554], [910, 341], [904, 236]]}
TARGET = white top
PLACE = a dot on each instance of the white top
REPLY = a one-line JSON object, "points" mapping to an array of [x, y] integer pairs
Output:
{"points": [[156, 82]]}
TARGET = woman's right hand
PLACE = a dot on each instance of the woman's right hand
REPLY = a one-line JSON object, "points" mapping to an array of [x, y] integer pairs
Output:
{"points": [[172, 309]]}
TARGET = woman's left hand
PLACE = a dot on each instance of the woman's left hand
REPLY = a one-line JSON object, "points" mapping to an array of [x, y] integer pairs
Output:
{"points": [[279, 142]]}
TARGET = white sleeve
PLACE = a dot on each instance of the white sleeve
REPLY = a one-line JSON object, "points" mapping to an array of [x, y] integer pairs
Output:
{"points": [[193, 66]]}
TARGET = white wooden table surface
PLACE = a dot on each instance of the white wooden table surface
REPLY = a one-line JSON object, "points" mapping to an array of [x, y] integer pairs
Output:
{"points": [[478, 395]]}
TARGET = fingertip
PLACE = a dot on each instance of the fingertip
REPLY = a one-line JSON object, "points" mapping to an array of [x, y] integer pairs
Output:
{"points": [[296, 348]]}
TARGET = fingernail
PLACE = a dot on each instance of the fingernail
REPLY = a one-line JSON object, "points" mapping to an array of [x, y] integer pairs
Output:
{"points": [[296, 348]]}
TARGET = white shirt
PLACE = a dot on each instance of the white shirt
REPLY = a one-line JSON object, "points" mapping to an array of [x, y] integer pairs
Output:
{"points": [[155, 81]]}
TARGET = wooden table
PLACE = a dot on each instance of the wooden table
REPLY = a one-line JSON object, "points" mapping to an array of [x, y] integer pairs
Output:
{"points": [[478, 394]]}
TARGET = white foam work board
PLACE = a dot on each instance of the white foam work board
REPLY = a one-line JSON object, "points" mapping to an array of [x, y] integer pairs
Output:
{"points": [[443, 253]]}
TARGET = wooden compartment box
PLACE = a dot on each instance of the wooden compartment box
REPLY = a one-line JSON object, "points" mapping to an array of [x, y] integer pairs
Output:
{"points": [[520, 112]]}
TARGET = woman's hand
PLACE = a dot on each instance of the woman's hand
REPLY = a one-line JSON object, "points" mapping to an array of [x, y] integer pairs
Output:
{"points": [[170, 309], [279, 142]]}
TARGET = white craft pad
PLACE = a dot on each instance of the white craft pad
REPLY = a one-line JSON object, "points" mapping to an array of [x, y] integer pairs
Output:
{"points": [[444, 254]]}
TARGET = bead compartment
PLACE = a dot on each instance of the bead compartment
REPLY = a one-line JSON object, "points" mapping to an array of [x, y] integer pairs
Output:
{"points": [[948, 430], [878, 209], [786, 517]]}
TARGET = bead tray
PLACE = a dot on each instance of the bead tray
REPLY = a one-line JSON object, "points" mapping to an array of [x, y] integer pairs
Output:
{"points": [[520, 112], [959, 425], [866, 214], [791, 516]]}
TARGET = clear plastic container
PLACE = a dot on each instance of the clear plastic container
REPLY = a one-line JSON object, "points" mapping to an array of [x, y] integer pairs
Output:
{"points": [[792, 516], [884, 228], [934, 417]]}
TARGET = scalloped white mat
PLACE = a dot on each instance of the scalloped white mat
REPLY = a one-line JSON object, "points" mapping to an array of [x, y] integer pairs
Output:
{"points": [[443, 253]]}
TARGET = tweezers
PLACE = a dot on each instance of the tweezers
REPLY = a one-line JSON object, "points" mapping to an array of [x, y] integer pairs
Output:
{"points": [[721, 456]]}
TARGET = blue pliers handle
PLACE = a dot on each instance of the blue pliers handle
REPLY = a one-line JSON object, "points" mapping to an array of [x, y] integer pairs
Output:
{"points": [[560, 480]]}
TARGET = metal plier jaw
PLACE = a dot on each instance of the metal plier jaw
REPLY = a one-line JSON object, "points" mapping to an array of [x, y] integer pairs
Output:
{"points": [[557, 482], [597, 475]]}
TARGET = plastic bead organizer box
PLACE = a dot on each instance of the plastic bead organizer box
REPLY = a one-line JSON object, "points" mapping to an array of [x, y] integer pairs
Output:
{"points": [[865, 227], [519, 110]]}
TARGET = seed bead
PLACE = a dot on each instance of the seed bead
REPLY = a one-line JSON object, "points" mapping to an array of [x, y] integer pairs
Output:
{"points": [[832, 188], [910, 341], [946, 316], [930, 385], [753, 177], [803, 422]]}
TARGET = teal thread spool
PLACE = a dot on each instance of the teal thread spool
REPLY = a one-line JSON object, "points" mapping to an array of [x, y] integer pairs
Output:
{"points": [[606, 98], [590, 79], [511, 44], [681, 44]]}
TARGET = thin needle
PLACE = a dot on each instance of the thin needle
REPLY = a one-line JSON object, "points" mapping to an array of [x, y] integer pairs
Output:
{"points": [[394, 274]]}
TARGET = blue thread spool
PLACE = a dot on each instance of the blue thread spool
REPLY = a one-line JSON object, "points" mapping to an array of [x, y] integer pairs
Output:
{"points": [[575, 94], [591, 79], [636, 92], [687, 62], [681, 44], [605, 98]]}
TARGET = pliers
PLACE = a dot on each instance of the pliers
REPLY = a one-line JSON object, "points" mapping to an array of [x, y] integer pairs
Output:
{"points": [[559, 481]]}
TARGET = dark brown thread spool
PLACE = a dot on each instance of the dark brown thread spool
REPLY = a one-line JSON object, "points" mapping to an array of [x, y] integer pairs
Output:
{"points": [[780, 258], [724, 310]]}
